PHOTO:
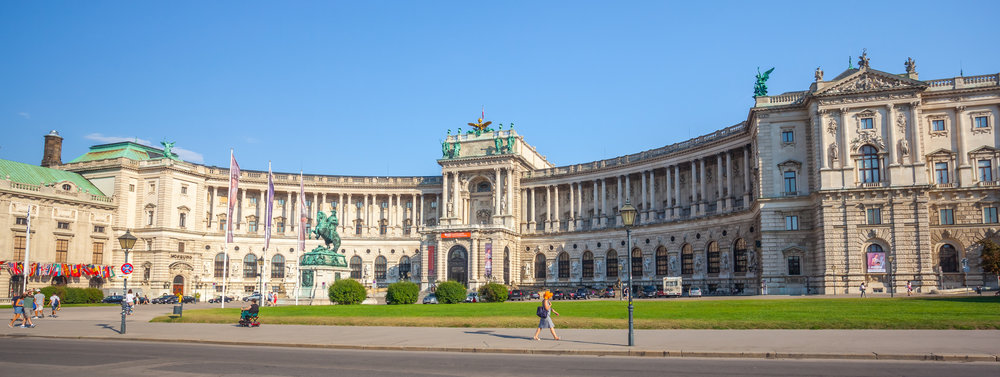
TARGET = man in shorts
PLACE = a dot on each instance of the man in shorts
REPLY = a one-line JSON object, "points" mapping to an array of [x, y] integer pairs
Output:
{"points": [[39, 304], [56, 304]]}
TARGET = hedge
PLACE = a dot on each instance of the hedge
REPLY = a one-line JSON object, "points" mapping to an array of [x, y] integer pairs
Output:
{"points": [[70, 295], [450, 292], [403, 292], [347, 292], [493, 292]]}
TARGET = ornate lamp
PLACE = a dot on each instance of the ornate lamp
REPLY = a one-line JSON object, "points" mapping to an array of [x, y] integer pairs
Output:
{"points": [[628, 213], [127, 241]]}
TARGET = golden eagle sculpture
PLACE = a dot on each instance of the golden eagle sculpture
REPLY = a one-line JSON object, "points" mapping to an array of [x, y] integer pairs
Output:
{"points": [[480, 125]]}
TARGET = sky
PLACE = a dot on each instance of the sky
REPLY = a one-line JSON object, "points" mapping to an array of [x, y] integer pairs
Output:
{"points": [[372, 87]]}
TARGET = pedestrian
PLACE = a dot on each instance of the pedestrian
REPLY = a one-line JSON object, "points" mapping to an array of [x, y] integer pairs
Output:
{"points": [[56, 304], [275, 297], [909, 288], [39, 303], [545, 312], [862, 288], [18, 303], [130, 301]]}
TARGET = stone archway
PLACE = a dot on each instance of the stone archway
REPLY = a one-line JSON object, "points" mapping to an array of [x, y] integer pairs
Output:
{"points": [[178, 285], [458, 265]]}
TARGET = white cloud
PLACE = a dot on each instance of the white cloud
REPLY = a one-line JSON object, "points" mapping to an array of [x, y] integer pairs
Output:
{"points": [[24, 115], [184, 154]]}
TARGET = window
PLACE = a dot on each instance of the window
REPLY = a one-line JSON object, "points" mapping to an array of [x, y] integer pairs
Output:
{"points": [[563, 265], [985, 170], [359, 204], [385, 204], [356, 267], [867, 123], [152, 188], [249, 289], [687, 260], [277, 267], [937, 125], [98, 253], [740, 256], [383, 226], [434, 204], [357, 227], [990, 215], [874, 216], [224, 200], [982, 122], [131, 188], [612, 264], [252, 226], [149, 218], [62, 225], [794, 265], [220, 264], [380, 268], [539, 266], [180, 247], [182, 221], [184, 189], [941, 172], [870, 161], [791, 223], [713, 257], [588, 264], [222, 225], [636, 263], [253, 201], [21, 221], [790, 182], [281, 202], [661, 261], [62, 250], [250, 266], [947, 217], [407, 226], [98, 229], [948, 258], [787, 136], [404, 267], [19, 246]]}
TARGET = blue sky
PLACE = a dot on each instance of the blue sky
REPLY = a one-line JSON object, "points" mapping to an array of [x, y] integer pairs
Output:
{"points": [[370, 88]]}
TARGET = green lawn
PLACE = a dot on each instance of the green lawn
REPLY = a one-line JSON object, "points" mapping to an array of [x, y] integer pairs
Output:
{"points": [[900, 313]]}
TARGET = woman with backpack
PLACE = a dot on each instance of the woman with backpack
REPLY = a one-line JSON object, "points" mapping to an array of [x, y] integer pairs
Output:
{"points": [[18, 304], [545, 313]]}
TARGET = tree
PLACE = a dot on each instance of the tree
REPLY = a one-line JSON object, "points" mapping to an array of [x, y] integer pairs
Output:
{"points": [[991, 257]]}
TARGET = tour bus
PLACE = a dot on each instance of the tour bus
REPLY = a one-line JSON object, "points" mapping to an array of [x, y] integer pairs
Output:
{"points": [[672, 287]]}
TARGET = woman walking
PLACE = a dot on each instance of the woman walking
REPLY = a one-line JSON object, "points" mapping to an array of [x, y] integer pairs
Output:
{"points": [[546, 321], [18, 304]]}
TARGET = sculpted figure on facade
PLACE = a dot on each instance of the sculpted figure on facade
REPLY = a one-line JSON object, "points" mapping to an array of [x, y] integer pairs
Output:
{"points": [[911, 66], [598, 270], [834, 151], [674, 270], [551, 267], [526, 270], [904, 147], [699, 262], [831, 126], [819, 74], [647, 265], [863, 60], [576, 268], [724, 262]]}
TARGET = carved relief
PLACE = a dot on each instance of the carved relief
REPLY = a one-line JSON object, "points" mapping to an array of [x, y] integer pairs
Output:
{"points": [[831, 126], [904, 147], [674, 270], [871, 98], [867, 138], [834, 151], [864, 82], [900, 121]]}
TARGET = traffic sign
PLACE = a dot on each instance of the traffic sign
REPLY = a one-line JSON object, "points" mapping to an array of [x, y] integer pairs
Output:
{"points": [[127, 268]]}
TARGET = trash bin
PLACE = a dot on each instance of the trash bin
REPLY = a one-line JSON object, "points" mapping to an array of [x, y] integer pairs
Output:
{"points": [[178, 310]]}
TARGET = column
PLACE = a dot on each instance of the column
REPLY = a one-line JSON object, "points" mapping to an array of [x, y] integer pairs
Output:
{"points": [[444, 197], [729, 180], [645, 205], [289, 211], [890, 129], [572, 204], [667, 209], [418, 219], [531, 209], [213, 192], [239, 209], [497, 191], [701, 187], [618, 212], [548, 208], [510, 195], [456, 196], [652, 193], [597, 211], [555, 205], [718, 183], [694, 189], [677, 189], [628, 190], [579, 204], [916, 156], [604, 202], [364, 215], [746, 177]]}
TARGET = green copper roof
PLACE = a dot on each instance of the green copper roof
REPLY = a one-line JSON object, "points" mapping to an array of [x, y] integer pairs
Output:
{"points": [[37, 175], [127, 149]]}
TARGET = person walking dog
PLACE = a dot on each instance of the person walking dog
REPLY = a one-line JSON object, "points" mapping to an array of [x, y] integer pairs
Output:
{"points": [[545, 314]]}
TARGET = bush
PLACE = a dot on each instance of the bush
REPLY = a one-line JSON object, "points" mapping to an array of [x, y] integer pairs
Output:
{"points": [[403, 292], [493, 292], [74, 296], [347, 292], [93, 295], [450, 292]]}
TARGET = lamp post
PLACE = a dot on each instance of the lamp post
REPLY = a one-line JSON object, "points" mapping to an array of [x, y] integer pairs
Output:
{"points": [[892, 280], [127, 241], [628, 213], [260, 276]]}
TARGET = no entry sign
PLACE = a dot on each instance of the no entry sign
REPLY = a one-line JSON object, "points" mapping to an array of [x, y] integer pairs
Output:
{"points": [[127, 268]]}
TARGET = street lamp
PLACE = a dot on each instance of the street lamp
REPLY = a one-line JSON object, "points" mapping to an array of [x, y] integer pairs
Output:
{"points": [[260, 276], [628, 213], [892, 280], [127, 241]]}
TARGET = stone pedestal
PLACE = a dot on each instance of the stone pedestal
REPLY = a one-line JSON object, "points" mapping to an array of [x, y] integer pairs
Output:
{"points": [[315, 281]]}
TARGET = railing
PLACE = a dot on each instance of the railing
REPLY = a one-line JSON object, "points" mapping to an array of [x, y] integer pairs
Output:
{"points": [[950, 83], [25, 186], [790, 193], [966, 82], [945, 185], [870, 184], [989, 183], [787, 98]]}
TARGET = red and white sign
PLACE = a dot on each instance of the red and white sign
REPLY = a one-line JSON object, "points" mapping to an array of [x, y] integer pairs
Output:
{"points": [[456, 235], [127, 268]]}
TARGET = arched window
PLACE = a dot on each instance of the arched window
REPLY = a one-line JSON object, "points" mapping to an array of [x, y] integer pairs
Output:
{"points": [[380, 268], [612, 264], [563, 265], [355, 267], [948, 258], [588, 264], [740, 255], [636, 262], [250, 266], [277, 267], [870, 165], [712, 252], [59, 280], [96, 283], [661, 261], [687, 260], [404, 267], [539, 266], [221, 262]]}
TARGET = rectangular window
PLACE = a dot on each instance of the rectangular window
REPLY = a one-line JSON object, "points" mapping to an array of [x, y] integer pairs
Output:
{"points": [[791, 223], [409, 205], [182, 221], [947, 217], [937, 125], [152, 188], [941, 172], [280, 226], [790, 188], [223, 200], [687, 264], [149, 218], [990, 215], [741, 261], [874, 216], [62, 225], [252, 226], [98, 229], [385, 204], [794, 265], [131, 188], [982, 122], [867, 123], [222, 225], [253, 201], [98, 253], [21, 221], [19, 245], [62, 250], [787, 136], [434, 204], [985, 168], [184, 189], [180, 247]]}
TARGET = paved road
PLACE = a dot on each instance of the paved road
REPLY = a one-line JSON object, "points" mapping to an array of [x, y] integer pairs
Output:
{"points": [[55, 357]]}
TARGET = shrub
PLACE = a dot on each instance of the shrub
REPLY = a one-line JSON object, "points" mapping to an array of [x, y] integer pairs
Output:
{"points": [[403, 292], [493, 292], [93, 295], [74, 296], [347, 292], [450, 292]]}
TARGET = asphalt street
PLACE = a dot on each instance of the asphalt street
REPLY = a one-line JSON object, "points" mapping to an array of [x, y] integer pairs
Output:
{"points": [[53, 357]]}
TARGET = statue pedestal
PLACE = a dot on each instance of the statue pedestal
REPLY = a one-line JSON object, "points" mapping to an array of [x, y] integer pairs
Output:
{"points": [[322, 277]]}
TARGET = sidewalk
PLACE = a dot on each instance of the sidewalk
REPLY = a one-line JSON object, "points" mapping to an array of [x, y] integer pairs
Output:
{"points": [[939, 345]]}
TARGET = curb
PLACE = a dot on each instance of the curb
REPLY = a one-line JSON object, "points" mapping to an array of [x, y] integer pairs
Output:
{"points": [[551, 352]]}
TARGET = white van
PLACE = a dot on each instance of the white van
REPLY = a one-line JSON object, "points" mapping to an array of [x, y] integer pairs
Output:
{"points": [[672, 287]]}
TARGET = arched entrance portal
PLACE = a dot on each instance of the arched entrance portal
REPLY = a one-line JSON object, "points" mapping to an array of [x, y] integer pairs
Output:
{"points": [[178, 285], [458, 262]]}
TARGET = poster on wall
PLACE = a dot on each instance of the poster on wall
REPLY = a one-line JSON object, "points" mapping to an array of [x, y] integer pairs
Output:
{"points": [[489, 260], [876, 262], [431, 262]]}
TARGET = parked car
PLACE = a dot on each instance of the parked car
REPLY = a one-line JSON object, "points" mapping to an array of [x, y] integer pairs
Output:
{"points": [[648, 291], [431, 299], [516, 295], [188, 299], [558, 295], [218, 299], [582, 294], [533, 296], [472, 297], [609, 292], [161, 299], [254, 296], [113, 299], [694, 292]]}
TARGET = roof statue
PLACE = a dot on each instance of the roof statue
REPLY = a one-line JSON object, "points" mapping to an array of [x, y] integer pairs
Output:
{"points": [[819, 74], [850, 62], [863, 60], [168, 147], [760, 88], [911, 66]]}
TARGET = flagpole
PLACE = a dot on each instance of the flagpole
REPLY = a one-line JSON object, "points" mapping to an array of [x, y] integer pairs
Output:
{"points": [[27, 252], [302, 242], [267, 224], [229, 225]]}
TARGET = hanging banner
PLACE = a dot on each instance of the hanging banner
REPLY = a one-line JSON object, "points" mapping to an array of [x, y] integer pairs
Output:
{"points": [[431, 261], [456, 235], [876, 262], [489, 260]]}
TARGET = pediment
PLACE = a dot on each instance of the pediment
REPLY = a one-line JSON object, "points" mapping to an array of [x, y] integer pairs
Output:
{"points": [[790, 164], [984, 150], [941, 153], [870, 80]]}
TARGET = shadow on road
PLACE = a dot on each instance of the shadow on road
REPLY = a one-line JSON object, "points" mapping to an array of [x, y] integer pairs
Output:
{"points": [[107, 326], [563, 339]]}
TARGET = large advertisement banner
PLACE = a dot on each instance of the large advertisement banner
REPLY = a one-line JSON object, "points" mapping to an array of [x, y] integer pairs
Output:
{"points": [[489, 260], [431, 262], [876, 262]]}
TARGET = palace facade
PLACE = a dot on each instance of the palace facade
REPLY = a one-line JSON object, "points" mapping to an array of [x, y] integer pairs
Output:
{"points": [[866, 177]]}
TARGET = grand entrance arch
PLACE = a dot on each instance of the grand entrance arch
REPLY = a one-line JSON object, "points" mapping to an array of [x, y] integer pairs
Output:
{"points": [[178, 285], [458, 265]]}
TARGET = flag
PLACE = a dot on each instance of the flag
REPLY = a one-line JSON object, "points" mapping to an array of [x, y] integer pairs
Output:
{"points": [[234, 185], [483, 117], [268, 207], [302, 213]]}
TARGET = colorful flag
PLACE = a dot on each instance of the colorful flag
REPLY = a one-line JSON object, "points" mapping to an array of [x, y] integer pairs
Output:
{"points": [[234, 184], [268, 207], [303, 219]]}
